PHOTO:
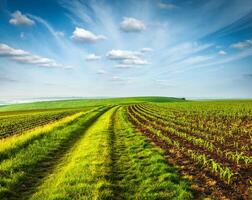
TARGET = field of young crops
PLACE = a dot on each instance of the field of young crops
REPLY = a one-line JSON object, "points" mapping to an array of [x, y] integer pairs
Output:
{"points": [[210, 141], [127, 150]]}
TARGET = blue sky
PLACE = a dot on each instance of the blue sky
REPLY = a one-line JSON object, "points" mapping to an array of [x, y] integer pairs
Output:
{"points": [[89, 48]]}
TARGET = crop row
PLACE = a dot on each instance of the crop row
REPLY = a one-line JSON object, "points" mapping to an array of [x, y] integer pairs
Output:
{"points": [[224, 138], [228, 166], [20, 123], [198, 138]]}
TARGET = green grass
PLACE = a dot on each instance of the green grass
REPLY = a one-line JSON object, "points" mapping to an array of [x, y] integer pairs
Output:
{"points": [[112, 161], [140, 170], [10, 145], [24, 168], [84, 172], [84, 102], [97, 153]]}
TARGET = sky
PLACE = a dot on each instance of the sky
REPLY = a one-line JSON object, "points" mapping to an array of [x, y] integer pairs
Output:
{"points": [[110, 48]]}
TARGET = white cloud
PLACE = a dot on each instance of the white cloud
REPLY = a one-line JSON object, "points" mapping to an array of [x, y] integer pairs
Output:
{"points": [[22, 56], [146, 49], [83, 35], [5, 50], [122, 54], [242, 45], [222, 53], [167, 6], [101, 72], [127, 58], [19, 19], [92, 57], [137, 61], [130, 24]]}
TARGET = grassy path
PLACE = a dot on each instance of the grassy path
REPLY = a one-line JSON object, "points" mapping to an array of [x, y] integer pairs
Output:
{"points": [[22, 171], [139, 168], [112, 161], [85, 172]]}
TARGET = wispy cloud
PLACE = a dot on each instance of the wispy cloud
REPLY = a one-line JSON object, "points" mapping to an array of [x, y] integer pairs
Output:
{"points": [[166, 6], [146, 49], [242, 45], [116, 79], [127, 58], [160, 40], [214, 62], [182, 51], [78, 8], [124, 66], [57, 34], [120, 80], [195, 60], [20, 19], [164, 83], [101, 72], [26, 57]]}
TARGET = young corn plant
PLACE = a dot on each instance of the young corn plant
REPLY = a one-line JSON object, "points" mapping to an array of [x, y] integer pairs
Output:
{"points": [[214, 166], [247, 159], [227, 174], [237, 157]]}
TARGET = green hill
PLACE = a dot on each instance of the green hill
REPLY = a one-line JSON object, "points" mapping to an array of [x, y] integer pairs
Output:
{"points": [[78, 103]]}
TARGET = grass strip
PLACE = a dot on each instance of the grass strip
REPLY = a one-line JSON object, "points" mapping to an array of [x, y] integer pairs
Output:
{"points": [[11, 145], [85, 172], [140, 170], [22, 171]]}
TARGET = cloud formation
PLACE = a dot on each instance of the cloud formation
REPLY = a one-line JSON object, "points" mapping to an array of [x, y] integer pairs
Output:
{"points": [[19, 19], [127, 58], [146, 49], [26, 57], [124, 66], [92, 57], [242, 45], [130, 24], [101, 72], [167, 6], [222, 53], [194, 60], [122, 54], [83, 35]]}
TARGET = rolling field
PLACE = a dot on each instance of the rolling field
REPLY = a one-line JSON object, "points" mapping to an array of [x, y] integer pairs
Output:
{"points": [[128, 148]]}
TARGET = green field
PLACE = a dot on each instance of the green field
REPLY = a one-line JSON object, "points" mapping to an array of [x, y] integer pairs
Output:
{"points": [[126, 148], [79, 103]]}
